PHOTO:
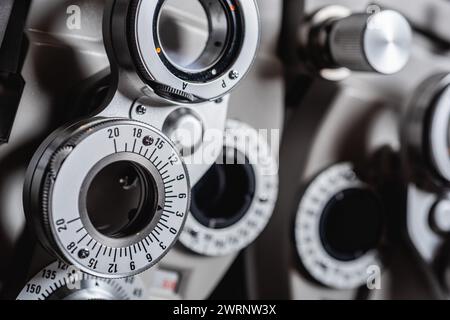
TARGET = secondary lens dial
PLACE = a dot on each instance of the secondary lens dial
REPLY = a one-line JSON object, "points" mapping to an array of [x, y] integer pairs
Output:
{"points": [[338, 228], [234, 201], [60, 281], [112, 196]]}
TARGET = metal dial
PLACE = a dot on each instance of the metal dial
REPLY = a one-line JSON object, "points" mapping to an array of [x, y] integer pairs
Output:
{"points": [[110, 196], [234, 201], [215, 48], [60, 281], [338, 228]]}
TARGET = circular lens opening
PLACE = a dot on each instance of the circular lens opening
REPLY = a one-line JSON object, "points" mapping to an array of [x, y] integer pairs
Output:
{"points": [[192, 33], [351, 224], [121, 199], [224, 195]]}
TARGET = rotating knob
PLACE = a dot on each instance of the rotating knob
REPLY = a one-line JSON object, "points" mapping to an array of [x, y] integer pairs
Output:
{"points": [[335, 39], [378, 43]]}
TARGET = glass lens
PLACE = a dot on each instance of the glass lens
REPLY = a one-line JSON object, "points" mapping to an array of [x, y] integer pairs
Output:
{"points": [[192, 33], [121, 199]]}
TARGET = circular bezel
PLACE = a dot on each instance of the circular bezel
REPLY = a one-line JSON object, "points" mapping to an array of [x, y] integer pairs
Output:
{"points": [[219, 242], [154, 68], [439, 134], [67, 226], [425, 134], [59, 275], [322, 266]]}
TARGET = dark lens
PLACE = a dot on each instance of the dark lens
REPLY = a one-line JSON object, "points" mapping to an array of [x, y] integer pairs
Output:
{"points": [[121, 199], [224, 195], [351, 224]]}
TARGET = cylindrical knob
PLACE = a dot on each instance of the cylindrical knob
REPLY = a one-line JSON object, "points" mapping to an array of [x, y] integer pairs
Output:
{"points": [[440, 217], [378, 43]]}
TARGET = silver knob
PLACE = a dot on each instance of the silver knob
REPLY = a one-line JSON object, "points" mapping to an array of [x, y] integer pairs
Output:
{"points": [[377, 43], [440, 217]]}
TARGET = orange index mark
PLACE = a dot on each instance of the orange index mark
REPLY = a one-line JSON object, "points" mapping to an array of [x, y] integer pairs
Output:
{"points": [[158, 50]]}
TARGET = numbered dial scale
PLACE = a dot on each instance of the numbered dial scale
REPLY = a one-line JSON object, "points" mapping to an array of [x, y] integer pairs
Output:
{"points": [[234, 201], [60, 281], [338, 228], [109, 196]]}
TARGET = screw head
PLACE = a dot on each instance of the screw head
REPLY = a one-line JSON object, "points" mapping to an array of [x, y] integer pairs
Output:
{"points": [[234, 74], [148, 141], [141, 110], [83, 253]]}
